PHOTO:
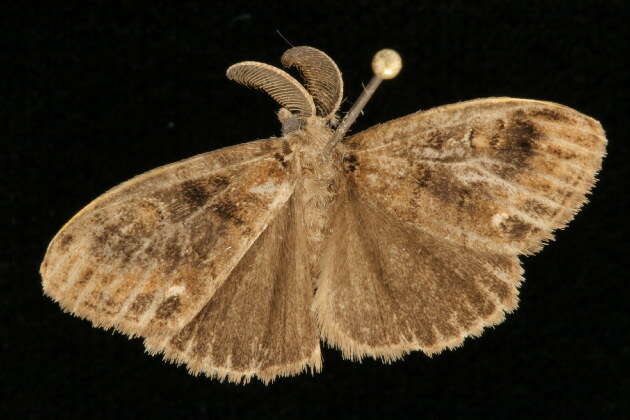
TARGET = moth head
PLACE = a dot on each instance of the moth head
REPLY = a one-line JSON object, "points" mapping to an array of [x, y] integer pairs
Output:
{"points": [[290, 122], [317, 99]]}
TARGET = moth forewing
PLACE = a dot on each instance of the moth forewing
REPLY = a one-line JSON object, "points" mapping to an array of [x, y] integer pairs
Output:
{"points": [[402, 237], [498, 173], [146, 257]]}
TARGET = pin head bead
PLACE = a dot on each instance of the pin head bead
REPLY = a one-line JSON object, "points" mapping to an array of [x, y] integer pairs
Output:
{"points": [[386, 64]]}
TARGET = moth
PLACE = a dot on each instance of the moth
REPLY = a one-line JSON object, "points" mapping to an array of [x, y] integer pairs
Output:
{"points": [[402, 237]]}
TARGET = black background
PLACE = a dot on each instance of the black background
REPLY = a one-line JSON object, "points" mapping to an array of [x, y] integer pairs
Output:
{"points": [[95, 93]]}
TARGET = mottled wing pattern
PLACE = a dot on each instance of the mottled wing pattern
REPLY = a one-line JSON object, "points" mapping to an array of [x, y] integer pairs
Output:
{"points": [[437, 207], [156, 254], [497, 173]]}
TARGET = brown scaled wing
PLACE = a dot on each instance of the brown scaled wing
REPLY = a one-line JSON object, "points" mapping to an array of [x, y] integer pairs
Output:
{"points": [[184, 256], [436, 209]]}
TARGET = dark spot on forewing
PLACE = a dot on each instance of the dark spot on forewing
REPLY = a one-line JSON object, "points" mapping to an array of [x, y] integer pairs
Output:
{"points": [[168, 307], [85, 276], [549, 114], [286, 148], [515, 228], [423, 177], [227, 210], [99, 309], [350, 159], [541, 112], [194, 194], [350, 163], [184, 199], [123, 236], [66, 240], [514, 141], [538, 209], [280, 158], [141, 303], [521, 134], [440, 183]]}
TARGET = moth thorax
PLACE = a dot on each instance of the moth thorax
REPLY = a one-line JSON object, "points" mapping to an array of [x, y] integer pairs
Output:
{"points": [[317, 134]]}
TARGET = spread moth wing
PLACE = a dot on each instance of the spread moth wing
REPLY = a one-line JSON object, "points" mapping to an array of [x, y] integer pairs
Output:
{"points": [[158, 255], [437, 206], [499, 173], [259, 322], [386, 288]]}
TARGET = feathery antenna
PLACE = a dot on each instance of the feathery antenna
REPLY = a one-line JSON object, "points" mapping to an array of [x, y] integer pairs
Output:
{"points": [[278, 84], [321, 76]]}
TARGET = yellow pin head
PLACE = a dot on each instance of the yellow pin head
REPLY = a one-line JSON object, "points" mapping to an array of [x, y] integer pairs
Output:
{"points": [[386, 64]]}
